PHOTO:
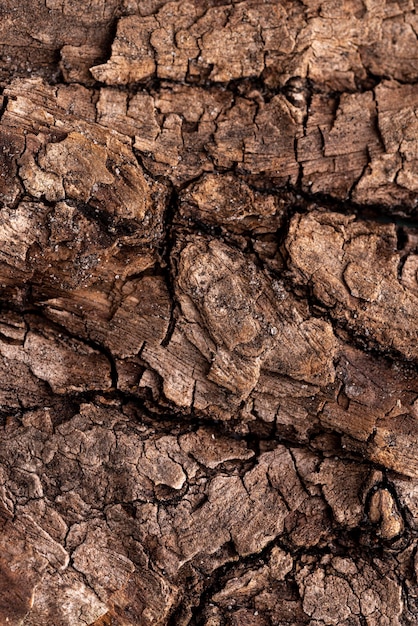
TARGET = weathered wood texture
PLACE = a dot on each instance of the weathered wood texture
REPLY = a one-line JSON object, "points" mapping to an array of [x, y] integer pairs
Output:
{"points": [[208, 313]]}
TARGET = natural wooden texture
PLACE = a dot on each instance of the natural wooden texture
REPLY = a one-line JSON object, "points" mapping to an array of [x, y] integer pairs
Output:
{"points": [[208, 313]]}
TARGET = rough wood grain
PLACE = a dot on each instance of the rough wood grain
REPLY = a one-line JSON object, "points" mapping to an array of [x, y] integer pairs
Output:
{"points": [[208, 305]]}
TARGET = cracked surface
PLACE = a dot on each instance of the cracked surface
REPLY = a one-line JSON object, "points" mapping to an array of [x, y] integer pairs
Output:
{"points": [[208, 304]]}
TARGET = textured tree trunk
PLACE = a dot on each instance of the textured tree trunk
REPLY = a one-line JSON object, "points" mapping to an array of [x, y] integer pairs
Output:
{"points": [[208, 313]]}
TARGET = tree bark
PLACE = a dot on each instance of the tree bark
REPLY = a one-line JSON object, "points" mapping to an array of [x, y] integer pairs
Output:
{"points": [[208, 313]]}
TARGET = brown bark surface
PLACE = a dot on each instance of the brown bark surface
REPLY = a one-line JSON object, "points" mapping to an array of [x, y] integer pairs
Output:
{"points": [[208, 313]]}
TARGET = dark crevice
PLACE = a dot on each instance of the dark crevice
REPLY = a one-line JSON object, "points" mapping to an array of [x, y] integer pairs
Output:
{"points": [[170, 274], [3, 105]]}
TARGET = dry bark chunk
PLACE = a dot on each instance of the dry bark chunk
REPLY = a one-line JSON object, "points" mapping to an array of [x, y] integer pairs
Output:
{"points": [[228, 203], [338, 144], [181, 41], [239, 323], [259, 137], [352, 267], [172, 127], [205, 448], [383, 510], [344, 590], [31, 36]]}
